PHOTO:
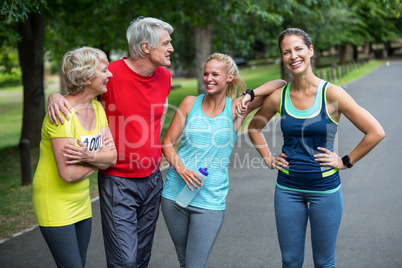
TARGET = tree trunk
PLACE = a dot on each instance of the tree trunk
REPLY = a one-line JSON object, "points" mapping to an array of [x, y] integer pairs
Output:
{"points": [[389, 49], [63, 85], [342, 54], [355, 53], [202, 38], [366, 49], [30, 51]]}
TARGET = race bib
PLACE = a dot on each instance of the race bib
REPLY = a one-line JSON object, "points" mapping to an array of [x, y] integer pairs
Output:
{"points": [[93, 143]]}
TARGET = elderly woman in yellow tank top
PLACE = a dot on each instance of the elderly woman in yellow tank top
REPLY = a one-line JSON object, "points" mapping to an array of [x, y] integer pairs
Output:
{"points": [[207, 125], [70, 153]]}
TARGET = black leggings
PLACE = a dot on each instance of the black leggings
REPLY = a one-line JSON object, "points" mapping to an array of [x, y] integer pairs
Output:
{"points": [[69, 243]]}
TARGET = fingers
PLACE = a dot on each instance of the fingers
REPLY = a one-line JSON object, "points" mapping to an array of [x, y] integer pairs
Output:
{"points": [[56, 104], [73, 162], [191, 185], [328, 158], [194, 180], [191, 179], [197, 180], [64, 111], [71, 153], [282, 155], [280, 163], [75, 154], [53, 116], [80, 143], [108, 144], [68, 106], [241, 109]]}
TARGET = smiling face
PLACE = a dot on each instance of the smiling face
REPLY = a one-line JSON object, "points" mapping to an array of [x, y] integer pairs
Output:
{"points": [[216, 77], [160, 56], [102, 76], [296, 54]]}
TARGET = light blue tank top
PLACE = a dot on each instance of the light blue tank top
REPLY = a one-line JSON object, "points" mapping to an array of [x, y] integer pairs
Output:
{"points": [[205, 142]]}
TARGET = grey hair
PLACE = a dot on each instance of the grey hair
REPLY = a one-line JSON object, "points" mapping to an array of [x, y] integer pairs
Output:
{"points": [[145, 30]]}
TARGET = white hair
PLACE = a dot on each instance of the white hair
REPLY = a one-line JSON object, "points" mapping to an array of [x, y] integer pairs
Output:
{"points": [[145, 30]]}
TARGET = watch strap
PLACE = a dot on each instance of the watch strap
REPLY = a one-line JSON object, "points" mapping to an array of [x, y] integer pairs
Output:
{"points": [[346, 161], [249, 91]]}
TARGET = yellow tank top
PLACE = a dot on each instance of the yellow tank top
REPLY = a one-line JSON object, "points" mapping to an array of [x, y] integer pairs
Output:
{"points": [[56, 202]]}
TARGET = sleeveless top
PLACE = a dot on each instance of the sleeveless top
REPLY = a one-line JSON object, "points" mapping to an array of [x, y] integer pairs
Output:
{"points": [[205, 142], [303, 132]]}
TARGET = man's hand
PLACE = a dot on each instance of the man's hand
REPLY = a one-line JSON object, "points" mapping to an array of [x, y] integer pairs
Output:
{"points": [[57, 103]]}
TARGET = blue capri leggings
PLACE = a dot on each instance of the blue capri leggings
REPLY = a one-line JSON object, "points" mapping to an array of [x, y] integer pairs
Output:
{"points": [[193, 231], [292, 210], [69, 244]]}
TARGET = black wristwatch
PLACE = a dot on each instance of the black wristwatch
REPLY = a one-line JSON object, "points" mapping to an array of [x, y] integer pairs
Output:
{"points": [[249, 91], [346, 161]]}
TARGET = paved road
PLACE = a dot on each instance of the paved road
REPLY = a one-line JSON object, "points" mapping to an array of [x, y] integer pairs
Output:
{"points": [[371, 229]]}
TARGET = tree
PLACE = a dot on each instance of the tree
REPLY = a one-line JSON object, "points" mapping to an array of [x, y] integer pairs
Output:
{"points": [[74, 23], [219, 25], [68, 24], [30, 27], [30, 51], [345, 22], [380, 21]]}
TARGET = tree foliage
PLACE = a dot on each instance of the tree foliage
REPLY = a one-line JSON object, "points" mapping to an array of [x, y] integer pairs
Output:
{"points": [[12, 12], [18, 10], [246, 28], [75, 23], [29, 25]]}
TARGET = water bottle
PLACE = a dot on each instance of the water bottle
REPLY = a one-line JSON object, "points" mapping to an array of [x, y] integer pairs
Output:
{"points": [[186, 195]]}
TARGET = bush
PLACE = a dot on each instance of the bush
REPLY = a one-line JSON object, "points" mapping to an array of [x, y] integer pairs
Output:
{"points": [[10, 79]]}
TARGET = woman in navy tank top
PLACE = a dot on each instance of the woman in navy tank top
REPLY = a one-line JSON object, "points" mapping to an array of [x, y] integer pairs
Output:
{"points": [[308, 183], [207, 126]]}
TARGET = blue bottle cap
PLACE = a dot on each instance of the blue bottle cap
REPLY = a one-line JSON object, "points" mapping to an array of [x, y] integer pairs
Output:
{"points": [[203, 171]]}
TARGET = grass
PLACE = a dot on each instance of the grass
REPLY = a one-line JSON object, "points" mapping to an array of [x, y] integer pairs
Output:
{"points": [[15, 200]]}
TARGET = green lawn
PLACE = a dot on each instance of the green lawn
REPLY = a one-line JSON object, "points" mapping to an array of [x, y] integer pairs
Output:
{"points": [[15, 200]]}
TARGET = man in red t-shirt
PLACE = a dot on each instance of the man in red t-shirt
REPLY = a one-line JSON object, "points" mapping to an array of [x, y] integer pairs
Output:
{"points": [[135, 105]]}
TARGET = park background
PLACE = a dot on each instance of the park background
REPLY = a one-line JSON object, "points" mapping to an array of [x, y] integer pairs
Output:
{"points": [[350, 38]]}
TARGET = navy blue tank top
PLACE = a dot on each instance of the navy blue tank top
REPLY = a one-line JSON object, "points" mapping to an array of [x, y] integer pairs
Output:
{"points": [[303, 132]]}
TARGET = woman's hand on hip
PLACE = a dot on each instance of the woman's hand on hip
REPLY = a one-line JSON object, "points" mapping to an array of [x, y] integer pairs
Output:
{"points": [[280, 162], [329, 159]]}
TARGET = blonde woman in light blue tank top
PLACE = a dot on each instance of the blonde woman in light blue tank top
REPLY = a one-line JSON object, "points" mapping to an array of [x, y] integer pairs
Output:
{"points": [[207, 126]]}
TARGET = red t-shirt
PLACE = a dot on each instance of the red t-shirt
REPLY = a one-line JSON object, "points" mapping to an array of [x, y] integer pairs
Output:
{"points": [[134, 106]]}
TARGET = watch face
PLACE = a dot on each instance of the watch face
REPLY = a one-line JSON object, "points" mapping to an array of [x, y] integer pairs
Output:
{"points": [[346, 161]]}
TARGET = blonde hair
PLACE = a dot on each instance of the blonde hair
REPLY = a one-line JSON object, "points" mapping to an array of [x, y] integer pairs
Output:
{"points": [[79, 65], [231, 68]]}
